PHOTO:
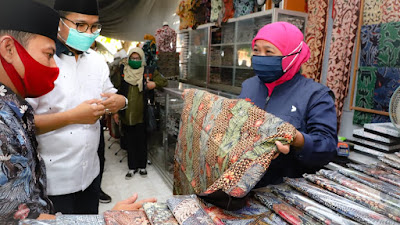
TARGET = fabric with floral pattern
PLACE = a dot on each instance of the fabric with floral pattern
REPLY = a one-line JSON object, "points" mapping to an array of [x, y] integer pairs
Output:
{"points": [[134, 217], [229, 10], [389, 41], [370, 38], [390, 11], [166, 39], [224, 144], [23, 174], [372, 13], [216, 10], [376, 172], [159, 214], [243, 7], [187, 210]]}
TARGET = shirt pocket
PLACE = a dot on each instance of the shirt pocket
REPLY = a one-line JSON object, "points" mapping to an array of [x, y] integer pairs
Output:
{"points": [[93, 87]]}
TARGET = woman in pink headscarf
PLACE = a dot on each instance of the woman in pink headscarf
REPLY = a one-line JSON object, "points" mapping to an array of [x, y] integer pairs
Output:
{"points": [[280, 89]]}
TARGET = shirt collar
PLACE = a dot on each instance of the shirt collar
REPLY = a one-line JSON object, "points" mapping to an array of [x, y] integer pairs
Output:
{"points": [[61, 48], [15, 102]]}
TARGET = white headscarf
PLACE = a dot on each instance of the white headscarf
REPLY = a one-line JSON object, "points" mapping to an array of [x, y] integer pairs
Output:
{"points": [[135, 76]]}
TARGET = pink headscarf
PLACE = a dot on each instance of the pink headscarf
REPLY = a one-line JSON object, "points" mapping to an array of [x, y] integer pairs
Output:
{"points": [[288, 39]]}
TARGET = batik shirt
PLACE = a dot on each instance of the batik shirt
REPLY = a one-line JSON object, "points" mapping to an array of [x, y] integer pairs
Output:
{"points": [[22, 175], [166, 39]]}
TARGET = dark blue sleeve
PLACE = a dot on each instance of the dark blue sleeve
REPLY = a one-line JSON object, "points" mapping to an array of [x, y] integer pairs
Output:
{"points": [[320, 138]]}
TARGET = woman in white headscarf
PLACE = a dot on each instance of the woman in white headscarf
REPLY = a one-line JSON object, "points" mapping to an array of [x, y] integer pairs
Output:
{"points": [[135, 83]]}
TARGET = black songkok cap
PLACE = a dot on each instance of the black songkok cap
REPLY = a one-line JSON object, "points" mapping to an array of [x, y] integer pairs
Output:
{"points": [[87, 7], [29, 16]]}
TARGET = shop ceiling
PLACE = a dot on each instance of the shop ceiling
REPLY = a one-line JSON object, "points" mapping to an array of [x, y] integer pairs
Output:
{"points": [[132, 19]]}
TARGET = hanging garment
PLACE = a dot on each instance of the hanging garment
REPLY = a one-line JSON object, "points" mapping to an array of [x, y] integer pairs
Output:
{"points": [[134, 217], [159, 214], [345, 23], [185, 14], [377, 173], [373, 204], [166, 39], [312, 208], [316, 28], [341, 205], [187, 210], [216, 10], [224, 146], [243, 7], [229, 10]]}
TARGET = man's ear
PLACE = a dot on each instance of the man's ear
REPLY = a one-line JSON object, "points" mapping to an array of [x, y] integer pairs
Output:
{"points": [[7, 48]]}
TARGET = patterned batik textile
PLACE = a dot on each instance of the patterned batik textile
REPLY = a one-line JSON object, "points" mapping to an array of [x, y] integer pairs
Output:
{"points": [[390, 11], [166, 39], [371, 182], [229, 10], [390, 162], [286, 211], [135, 217], [224, 145], [254, 212], [23, 174], [315, 37], [392, 157], [370, 36], [37, 222], [187, 210], [80, 219], [371, 203], [345, 24], [397, 154], [377, 173], [243, 7], [216, 10], [341, 205], [388, 45], [159, 214], [372, 13], [312, 208], [361, 188], [365, 94], [388, 168], [186, 15]]}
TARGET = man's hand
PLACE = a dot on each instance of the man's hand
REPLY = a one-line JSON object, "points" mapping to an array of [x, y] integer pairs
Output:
{"points": [[151, 85], [113, 103], [131, 204], [298, 142], [87, 112], [116, 118]]}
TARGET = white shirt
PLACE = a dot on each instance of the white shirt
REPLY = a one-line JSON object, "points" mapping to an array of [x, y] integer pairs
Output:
{"points": [[70, 153]]}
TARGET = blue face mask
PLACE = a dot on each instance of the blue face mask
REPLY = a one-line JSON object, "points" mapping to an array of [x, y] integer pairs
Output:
{"points": [[79, 41]]}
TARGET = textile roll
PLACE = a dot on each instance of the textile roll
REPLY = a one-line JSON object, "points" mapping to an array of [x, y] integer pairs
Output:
{"points": [[135, 217], [80, 219], [187, 210], [389, 162], [377, 173], [159, 214], [224, 145], [388, 168]]}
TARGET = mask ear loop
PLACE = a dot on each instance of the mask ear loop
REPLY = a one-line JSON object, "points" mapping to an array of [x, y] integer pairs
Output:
{"points": [[294, 52], [58, 33]]}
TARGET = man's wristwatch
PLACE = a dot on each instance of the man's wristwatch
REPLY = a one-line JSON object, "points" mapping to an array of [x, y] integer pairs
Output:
{"points": [[126, 104]]}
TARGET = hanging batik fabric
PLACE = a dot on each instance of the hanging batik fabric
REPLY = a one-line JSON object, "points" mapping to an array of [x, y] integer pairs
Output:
{"points": [[224, 145], [216, 10], [315, 38], [185, 14], [341, 205], [361, 188], [187, 210], [377, 173], [229, 10], [159, 214], [312, 208], [243, 7], [372, 13], [390, 11], [368, 202], [345, 23], [135, 217]]}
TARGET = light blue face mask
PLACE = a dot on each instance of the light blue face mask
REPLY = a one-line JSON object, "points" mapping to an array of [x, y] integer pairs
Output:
{"points": [[79, 41]]}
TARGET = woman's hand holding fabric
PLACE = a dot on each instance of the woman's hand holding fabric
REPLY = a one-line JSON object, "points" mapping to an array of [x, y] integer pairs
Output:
{"points": [[113, 103]]}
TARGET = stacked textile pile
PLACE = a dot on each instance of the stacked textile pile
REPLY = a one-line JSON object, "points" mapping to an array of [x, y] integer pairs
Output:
{"points": [[168, 63]]}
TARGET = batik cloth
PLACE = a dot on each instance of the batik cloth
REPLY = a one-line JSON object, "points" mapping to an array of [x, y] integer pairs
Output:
{"points": [[280, 207], [243, 7], [315, 38], [390, 162], [224, 144], [345, 24], [388, 52], [390, 11], [361, 188], [216, 10], [377, 173], [159, 214], [371, 182], [309, 206], [37, 222], [370, 38], [372, 13], [135, 217], [392, 157], [229, 10], [397, 154], [166, 39], [371, 203], [80, 219], [187, 210], [23, 174], [202, 12], [341, 205], [388, 168], [186, 15], [365, 94]]}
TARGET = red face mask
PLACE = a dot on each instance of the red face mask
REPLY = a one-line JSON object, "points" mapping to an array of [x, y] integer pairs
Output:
{"points": [[38, 79]]}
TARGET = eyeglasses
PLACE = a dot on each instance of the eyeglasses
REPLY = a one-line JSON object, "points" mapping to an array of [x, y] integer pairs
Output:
{"points": [[83, 27]]}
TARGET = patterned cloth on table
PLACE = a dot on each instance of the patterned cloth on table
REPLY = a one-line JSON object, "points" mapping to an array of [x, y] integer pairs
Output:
{"points": [[216, 11], [345, 24], [229, 10], [315, 37], [159, 214], [224, 145], [389, 53], [371, 203], [37, 222], [80, 219], [309, 206], [166, 39], [359, 187], [341, 205], [187, 210], [280, 207], [392, 157], [370, 38], [390, 162], [388, 168], [254, 212], [377, 173], [136, 217], [243, 7]]}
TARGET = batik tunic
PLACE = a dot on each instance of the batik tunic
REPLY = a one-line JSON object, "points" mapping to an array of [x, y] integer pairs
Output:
{"points": [[166, 39], [22, 175]]}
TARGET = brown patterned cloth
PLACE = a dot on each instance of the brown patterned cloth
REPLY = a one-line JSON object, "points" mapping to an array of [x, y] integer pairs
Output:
{"points": [[345, 23], [315, 38], [135, 217]]}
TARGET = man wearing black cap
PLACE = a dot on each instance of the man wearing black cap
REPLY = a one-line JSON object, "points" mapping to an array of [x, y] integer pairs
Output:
{"points": [[68, 116], [28, 32]]}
